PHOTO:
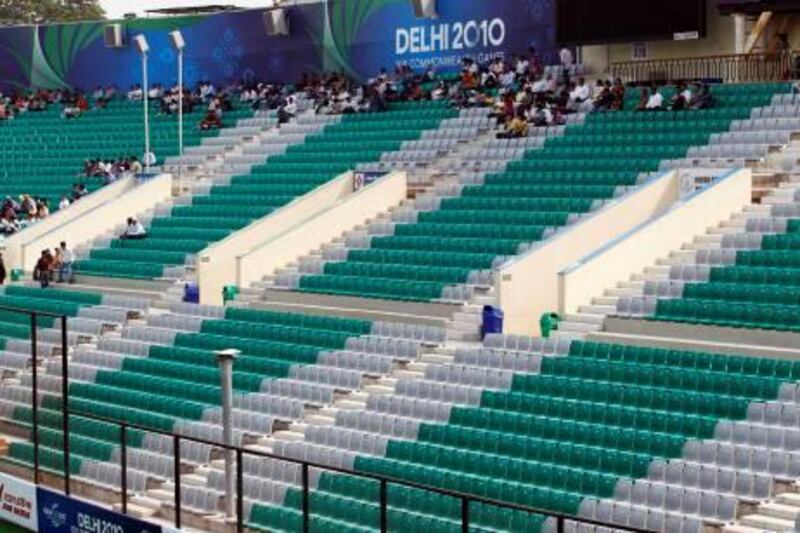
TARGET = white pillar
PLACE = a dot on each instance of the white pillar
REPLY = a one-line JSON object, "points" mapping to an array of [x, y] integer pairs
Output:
{"points": [[146, 101], [180, 119], [225, 360], [739, 32]]}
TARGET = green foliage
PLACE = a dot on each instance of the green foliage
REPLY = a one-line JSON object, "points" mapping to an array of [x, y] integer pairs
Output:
{"points": [[14, 12]]}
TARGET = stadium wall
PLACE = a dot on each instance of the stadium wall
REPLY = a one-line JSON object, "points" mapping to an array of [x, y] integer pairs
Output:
{"points": [[719, 40], [641, 247], [358, 38], [15, 246], [286, 246], [216, 265], [528, 285], [100, 220]]}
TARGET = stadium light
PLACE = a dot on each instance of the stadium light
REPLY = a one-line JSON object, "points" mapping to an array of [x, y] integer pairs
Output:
{"points": [[176, 39], [142, 47]]}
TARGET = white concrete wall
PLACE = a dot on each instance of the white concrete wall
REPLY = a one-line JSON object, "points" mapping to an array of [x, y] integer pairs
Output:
{"points": [[138, 197], [216, 265], [641, 247], [13, 246], [285, 247], [528, 285]]}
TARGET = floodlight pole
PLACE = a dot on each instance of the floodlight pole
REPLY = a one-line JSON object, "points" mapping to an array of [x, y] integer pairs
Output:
{"points": [[146, 100], [180, 117]]}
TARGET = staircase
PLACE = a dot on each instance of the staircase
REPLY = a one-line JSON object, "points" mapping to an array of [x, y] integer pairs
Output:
{"points": [[634, 296]]}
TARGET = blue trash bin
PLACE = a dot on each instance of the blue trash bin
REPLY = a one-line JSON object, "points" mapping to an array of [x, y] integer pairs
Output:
{"points": [[191, 293], [492, 320]]}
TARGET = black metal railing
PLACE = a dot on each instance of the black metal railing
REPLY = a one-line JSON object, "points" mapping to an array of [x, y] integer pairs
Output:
{"points": [[34, 340], [735, 68], [305, 466]]}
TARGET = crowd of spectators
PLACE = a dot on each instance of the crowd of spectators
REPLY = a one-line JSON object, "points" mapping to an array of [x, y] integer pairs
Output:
{"points": [[686, 97], [109, 170], [72, 102], [16, 214]]}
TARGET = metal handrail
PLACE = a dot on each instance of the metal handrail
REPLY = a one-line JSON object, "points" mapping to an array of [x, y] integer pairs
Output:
{"points": [[731, 68], [124, 427]]}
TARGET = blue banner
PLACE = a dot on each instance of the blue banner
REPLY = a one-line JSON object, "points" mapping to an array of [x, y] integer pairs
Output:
{"points": [[62, 514], [355, 37]]}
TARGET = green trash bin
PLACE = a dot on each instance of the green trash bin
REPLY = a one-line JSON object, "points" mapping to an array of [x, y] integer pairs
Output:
{"points": [[16, 274], [549, 323], [229, 292]]}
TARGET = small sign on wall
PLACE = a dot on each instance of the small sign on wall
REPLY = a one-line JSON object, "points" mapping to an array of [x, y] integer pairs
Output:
{"points": [[639, 50]]}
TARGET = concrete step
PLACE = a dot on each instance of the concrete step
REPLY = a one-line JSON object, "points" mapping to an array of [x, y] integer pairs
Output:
{"points": [[578, 327], [707, 239], [767, 523], [738, 528], [606, 300], [789, 498], [597, 310], [632, 284], [485, 299], [779, 510], [617, 292]]}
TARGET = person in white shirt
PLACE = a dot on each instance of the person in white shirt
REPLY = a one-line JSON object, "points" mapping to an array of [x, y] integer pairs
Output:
{"points": [[149, 159], [64, 203], [287, 111], [66, 257], [507, 79], [135, 94], [581, 92], [656, 101], [156, 91], [134, 230], [578, 95], [522, 66]]}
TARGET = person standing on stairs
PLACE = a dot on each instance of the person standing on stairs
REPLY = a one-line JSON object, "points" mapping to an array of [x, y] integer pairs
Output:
{"points": [[42, 270], [66, 257]]}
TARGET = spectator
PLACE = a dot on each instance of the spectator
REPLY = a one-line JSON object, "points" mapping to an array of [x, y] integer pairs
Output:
{"points": [[287, 111], [8, 221], [566, 58], [702, 98], [65, 259], [644, 97], [136, 93], [134, 230], [680, 100], [136, 166], [3, 272], [540, 116], [42, 209], [516, 128], [64, 203], [617, 95], [149, 159], [213, 118], [580, 93], [156, 92], [43, 268], [79, 191], [656, 100]]}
